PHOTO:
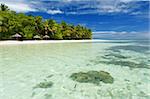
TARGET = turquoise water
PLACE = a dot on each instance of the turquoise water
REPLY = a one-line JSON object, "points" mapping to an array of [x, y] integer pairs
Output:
{"points": [[23, 67]]}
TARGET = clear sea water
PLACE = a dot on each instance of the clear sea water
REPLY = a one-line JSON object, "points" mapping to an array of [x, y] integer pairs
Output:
{"points": [[22, 67]]}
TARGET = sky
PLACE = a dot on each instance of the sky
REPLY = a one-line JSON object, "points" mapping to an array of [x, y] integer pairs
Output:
{"points": [[116, 19]]}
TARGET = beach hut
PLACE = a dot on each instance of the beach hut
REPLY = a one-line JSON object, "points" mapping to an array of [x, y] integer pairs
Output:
{"points": [[17, 36], [46, 37], [36, 37]]}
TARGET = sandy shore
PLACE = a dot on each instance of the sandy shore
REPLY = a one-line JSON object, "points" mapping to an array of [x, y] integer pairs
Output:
{"points": [[46, 41]]}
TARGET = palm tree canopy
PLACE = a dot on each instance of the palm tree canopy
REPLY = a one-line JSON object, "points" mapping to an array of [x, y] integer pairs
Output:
{"points": [[3, 7], [30, 27]]}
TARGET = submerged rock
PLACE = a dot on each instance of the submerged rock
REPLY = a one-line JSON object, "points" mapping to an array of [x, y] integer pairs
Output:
{"points": [[92, 77], [48, 96], [44, 85]]}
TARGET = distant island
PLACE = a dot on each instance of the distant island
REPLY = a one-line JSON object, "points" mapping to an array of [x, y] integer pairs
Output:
{"points": [[18, 26]]}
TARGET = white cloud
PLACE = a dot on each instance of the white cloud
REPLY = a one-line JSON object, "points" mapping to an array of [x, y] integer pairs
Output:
{"points": [[73, 6], [54, 12], [113, 32], [136, 13], [18, 5], [121, 35]]}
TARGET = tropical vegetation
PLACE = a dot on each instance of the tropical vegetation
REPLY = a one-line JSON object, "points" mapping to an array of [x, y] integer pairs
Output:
{"points": [[35, 27]]}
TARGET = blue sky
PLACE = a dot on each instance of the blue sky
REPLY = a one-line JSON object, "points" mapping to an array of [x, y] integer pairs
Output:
{"points": [[107, 18]]}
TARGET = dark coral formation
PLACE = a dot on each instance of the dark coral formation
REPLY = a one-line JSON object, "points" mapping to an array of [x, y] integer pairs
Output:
{"points": [[94, 77], [135, 48], [116, 55], [126, 63], [45, 84], [117, 58]]}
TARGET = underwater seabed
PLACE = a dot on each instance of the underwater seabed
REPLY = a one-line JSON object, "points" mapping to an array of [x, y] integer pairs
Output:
{"points": [[97, 70]]}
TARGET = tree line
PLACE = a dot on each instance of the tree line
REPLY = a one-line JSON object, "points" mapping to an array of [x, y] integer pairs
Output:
{"points": [[29, 26]]}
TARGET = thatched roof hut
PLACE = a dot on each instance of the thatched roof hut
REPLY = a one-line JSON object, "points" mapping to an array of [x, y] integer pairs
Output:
{"points": [[17, 36], [46, 37], [36, 37]]}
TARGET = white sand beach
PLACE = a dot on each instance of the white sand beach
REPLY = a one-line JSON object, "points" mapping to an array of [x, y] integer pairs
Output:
{"points": [[46, 41]]}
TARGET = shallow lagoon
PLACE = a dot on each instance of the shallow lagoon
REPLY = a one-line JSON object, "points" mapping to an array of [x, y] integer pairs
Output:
{"points": [[42, 71]]}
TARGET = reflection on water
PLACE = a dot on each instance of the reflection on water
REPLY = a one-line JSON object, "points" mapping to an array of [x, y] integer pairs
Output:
{"points": [[75, 71]]}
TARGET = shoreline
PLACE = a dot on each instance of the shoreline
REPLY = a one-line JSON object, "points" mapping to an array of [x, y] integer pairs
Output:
{"points": [[12, 42], [15, 42]]}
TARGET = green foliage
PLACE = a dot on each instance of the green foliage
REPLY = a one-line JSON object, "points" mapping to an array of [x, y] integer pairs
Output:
{"points": [[28, 32], [29, 26], [92, 77]]}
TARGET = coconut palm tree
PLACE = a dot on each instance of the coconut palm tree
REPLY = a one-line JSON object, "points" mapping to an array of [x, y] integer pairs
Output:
{"points": [[46, 27], [3, 27], [3, 7], [38, 25]]}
